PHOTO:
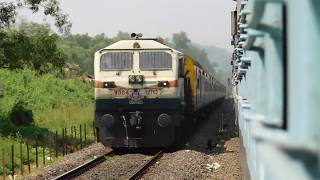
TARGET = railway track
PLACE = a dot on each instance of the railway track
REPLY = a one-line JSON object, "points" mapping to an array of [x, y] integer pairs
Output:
{"points": [[142, 169], [137, 173], [84, 167]]}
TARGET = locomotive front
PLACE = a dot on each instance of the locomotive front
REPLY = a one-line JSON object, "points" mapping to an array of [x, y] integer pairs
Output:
{"points": [[137, 94]]}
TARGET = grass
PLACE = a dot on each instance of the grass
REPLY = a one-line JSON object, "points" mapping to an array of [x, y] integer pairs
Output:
{"points": [[6, 145], [66, 116], [51, 103], [40, 93], [54, 103]]}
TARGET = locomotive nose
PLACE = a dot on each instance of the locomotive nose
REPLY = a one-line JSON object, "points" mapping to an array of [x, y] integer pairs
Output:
{"points": [[164, 120]]}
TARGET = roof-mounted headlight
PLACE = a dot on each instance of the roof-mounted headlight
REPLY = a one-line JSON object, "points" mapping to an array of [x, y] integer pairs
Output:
{"points": [[139, 79], [132, 79], [136, 79]]}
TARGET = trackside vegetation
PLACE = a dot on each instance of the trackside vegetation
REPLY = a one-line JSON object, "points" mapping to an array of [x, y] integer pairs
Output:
{"points": [[42, 102], [34, 106]]}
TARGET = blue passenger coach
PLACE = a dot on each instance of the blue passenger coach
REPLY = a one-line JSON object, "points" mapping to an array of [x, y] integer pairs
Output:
{"points": [[276, 81]]}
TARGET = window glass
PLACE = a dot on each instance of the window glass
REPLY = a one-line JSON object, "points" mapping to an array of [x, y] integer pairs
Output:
{"points": [[116, 61], [155, 61]]}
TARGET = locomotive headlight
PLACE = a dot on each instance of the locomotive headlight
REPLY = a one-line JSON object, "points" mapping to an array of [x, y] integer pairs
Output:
{"points": [[136, 79], [132, 79], [164, 120], [139, 79], [109, 84], [163, 84], [107, 120]]}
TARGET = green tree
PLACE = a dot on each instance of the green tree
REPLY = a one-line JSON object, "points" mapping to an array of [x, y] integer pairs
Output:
{"points": [[8, 12], [181, 42], [31, 45], [121, 36], [201, 56], [80, 49]]}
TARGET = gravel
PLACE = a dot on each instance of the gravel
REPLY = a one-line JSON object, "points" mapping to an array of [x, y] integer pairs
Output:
{"points": [[198, 161], [116, 167], [69, 162]]}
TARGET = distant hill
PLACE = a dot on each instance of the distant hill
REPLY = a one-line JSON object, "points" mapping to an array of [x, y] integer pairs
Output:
{"points": [[221, 57]]}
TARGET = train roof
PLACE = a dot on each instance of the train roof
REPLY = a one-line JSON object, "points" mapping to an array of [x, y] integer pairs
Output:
{"points": [[143, 44]]}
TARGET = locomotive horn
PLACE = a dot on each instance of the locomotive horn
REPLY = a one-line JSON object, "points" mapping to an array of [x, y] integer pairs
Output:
{"points": [[133, 35]]}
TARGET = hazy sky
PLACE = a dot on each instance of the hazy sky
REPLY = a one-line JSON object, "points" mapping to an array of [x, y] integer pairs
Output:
{"points": [[206, 21]]}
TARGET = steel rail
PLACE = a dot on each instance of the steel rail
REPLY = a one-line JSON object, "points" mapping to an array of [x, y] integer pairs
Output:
{"points": [[84, 167], [142, 169]]}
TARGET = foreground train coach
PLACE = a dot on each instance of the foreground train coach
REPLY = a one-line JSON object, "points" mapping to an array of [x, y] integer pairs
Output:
{"points": [[144, 90], [276, 77]]}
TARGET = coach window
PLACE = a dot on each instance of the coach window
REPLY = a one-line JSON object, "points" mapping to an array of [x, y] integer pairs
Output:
{"points": [[116, 61]]}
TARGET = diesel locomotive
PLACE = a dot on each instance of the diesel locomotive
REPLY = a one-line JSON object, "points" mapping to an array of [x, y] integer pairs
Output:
{"points": [[145, 91]]}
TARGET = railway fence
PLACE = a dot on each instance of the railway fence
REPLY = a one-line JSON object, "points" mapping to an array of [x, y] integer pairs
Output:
{"points": [[25, 156]]}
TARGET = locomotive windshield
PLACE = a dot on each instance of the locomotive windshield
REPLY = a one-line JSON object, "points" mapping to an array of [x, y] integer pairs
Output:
{"points": [[155, 61], [113, 61]]}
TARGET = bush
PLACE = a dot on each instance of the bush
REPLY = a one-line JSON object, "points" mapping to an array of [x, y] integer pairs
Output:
{"points": [[20, 116]]}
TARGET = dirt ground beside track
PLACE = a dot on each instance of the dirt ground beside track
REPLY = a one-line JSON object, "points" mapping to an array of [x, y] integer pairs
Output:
{"points": [[198, 161]]}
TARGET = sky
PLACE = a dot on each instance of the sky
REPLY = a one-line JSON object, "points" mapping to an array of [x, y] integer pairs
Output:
{"points": [[206, 22]]}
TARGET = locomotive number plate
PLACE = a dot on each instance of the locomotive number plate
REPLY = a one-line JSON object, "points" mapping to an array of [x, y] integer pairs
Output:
{"points": [[122, 92], [128, 92], [135, 97]]}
